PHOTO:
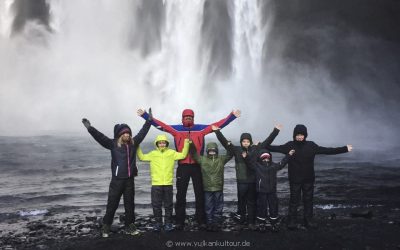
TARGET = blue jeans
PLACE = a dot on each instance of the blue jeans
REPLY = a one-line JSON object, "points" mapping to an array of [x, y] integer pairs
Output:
{"points": [[214, 204]]}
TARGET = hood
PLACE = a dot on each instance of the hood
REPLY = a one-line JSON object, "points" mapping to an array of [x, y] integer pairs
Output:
{"points": [[187, 112], [300, 129], [246, 136], [161, 138], [120, 129], [212, 145]]}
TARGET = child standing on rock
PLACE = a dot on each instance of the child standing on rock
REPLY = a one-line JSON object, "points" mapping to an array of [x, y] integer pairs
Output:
{"points": [[162, 162], [123, 169], [245, 177], [266, 170], [212, 170]]}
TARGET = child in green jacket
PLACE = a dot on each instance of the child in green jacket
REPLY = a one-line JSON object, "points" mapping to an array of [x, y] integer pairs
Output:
{"points": [[212, 170], [162, 162]]}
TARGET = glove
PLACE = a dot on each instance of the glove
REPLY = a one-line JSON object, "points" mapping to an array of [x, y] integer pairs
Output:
{"points": [[150, 115], [86, 122]]}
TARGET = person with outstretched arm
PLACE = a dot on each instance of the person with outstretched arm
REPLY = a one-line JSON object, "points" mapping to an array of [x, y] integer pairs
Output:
{"points": [[266, 182], [301, 172], [212, 169], [162, 163], [123, 170], [245, 177], [188, 168]]}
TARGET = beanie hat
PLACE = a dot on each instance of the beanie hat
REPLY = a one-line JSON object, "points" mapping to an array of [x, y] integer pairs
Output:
{"points": [[246, 136], [120, 129], [265, 156], [300, 129]]}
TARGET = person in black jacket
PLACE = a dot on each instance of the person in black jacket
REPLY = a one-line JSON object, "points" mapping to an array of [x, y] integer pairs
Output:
{"points": [[301, 172], [246, 189], [266, 171], [123, 169]]}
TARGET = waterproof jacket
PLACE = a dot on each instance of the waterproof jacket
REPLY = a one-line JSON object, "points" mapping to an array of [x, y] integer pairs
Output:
{"points": [[243, 173], [123, 158], [212, 167], [162, 162], [195, 133], [265, 172], [301, 164]]}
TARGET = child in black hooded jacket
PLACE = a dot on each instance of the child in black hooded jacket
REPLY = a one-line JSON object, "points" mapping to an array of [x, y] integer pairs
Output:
{"points": [[266, 170]]}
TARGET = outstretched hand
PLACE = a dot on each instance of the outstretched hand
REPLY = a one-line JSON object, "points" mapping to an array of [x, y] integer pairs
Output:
{"points": [[140, 112], [214, 128], [279, 126], [86, 122], [236, 113], [349, 148]]}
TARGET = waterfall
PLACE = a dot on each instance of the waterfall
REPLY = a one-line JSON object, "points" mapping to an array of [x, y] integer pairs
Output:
{"points": [[64, 60]]}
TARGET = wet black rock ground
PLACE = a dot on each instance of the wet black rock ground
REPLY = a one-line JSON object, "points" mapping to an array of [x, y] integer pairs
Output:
{"points": [[372, 227]]}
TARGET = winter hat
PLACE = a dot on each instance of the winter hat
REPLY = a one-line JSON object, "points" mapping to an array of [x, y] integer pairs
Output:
{"points": [[263, 154], [120, 129], [246, 136], [300, 129], [212, 146]]}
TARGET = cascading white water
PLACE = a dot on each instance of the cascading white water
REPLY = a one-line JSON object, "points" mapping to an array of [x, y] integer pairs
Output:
{"points": [[104, 59], [85, 66]]}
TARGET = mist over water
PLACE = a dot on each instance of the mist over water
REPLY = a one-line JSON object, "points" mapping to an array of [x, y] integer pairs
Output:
{"points": [[331, 66]]}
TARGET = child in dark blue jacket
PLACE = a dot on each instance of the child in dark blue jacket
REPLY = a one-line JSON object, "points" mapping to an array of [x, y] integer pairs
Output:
{"points": [[265, 171]]}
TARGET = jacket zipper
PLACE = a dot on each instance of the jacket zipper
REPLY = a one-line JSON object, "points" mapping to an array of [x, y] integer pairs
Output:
{"points": [[259, 185], [129, 163], [116, 171]]}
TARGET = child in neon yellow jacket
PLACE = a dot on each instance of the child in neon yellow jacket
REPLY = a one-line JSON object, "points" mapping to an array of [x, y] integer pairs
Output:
{"points": [[162, 162]]}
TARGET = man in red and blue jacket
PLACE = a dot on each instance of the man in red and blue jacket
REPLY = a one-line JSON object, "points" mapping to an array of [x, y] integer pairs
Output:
{"points": [[188, 167]]}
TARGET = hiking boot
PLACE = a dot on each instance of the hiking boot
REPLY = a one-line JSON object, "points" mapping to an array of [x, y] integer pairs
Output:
{"points": [[105, 231], [168, 227], [132, 230]]}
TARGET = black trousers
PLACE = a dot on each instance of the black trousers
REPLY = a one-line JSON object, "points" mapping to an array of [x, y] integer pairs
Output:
{"points": [[304, 191], [267, 203], [162, 195], [183, 174], [118, 188], [247, 201]]}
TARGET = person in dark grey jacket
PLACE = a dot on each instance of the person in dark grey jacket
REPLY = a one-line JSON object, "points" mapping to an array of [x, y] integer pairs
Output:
{"points": [[265, 170], [246, 189], [123, 169], [301, 172]]}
